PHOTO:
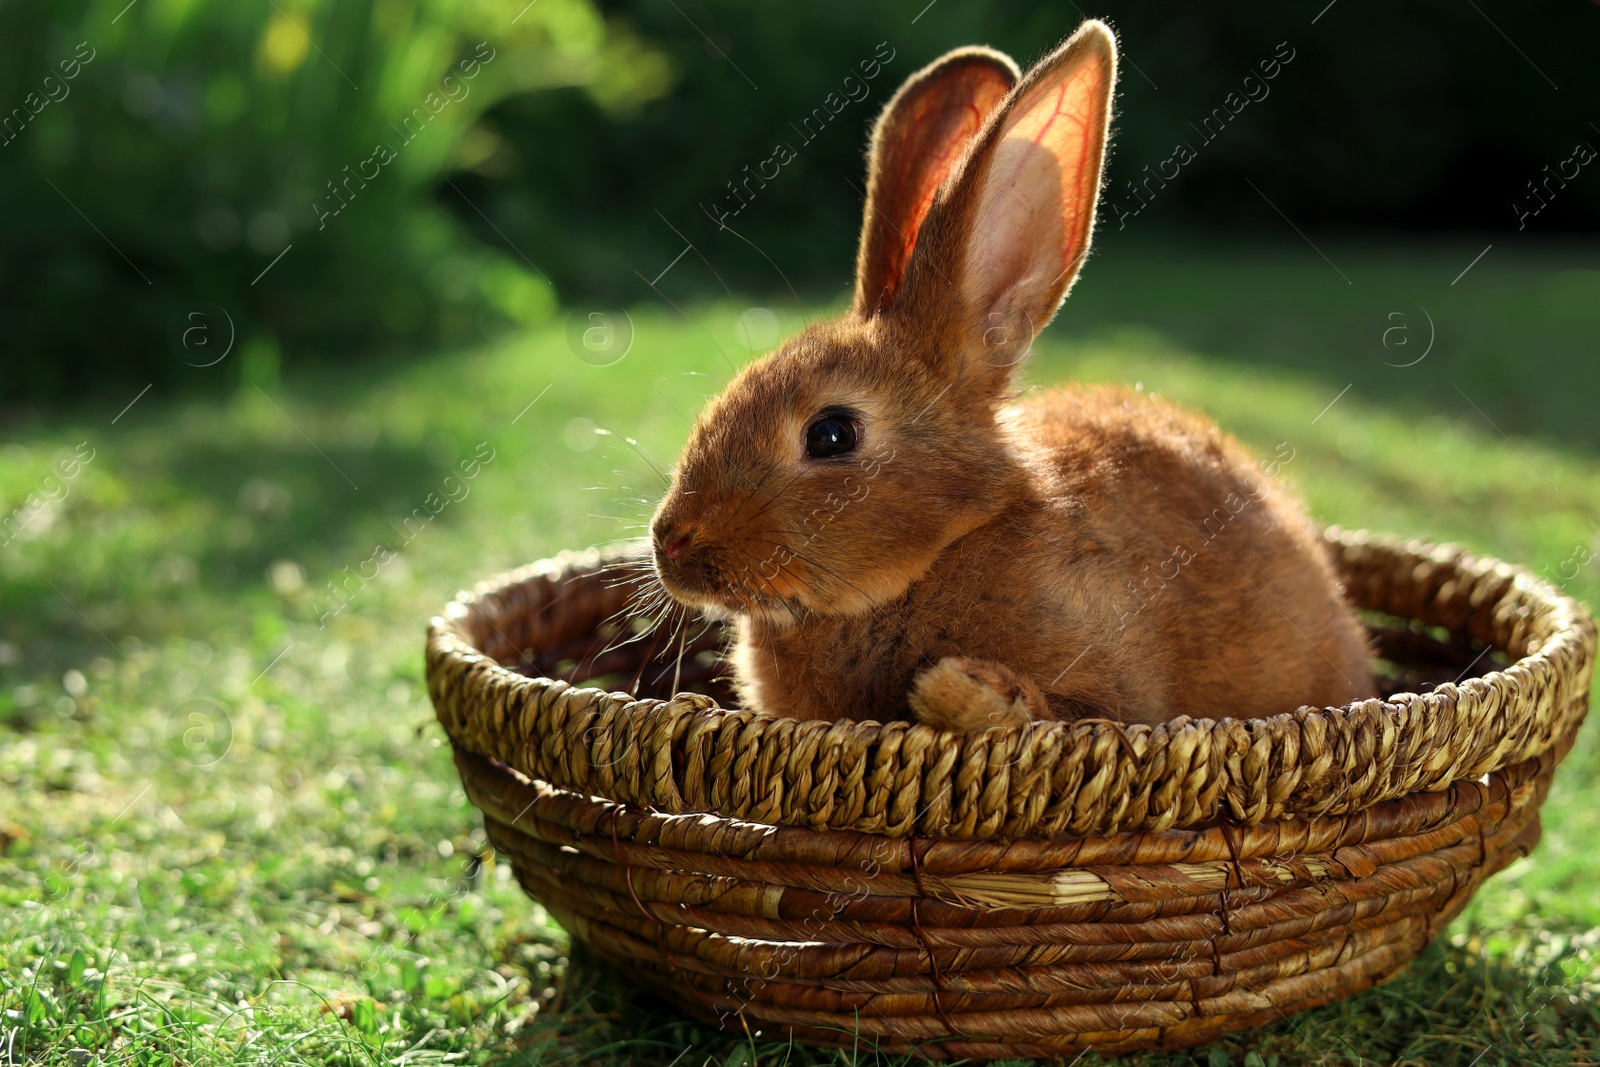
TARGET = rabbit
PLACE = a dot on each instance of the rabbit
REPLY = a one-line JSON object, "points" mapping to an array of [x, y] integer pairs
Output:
{"points": [[895, 537]]}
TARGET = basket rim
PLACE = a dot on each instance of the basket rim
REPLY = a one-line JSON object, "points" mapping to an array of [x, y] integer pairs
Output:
{"points": [[688, 754]]}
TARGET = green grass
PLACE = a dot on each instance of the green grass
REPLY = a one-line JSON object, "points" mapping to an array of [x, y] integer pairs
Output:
{"points": [[231, 835]]}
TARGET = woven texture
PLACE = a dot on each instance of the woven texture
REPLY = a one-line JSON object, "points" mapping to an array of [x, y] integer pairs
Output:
{"points": [[1026, 891]]}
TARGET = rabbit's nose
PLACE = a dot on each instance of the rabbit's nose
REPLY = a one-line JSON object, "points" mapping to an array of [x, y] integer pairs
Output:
{"points": [[673, 542], [674, 548]]}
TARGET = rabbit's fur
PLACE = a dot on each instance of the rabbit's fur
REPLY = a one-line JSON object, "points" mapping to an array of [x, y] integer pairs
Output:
{"points": [[973, 562]]}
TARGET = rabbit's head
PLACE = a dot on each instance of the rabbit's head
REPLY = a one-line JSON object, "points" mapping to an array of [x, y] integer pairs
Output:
{"points": [[829, 475]]}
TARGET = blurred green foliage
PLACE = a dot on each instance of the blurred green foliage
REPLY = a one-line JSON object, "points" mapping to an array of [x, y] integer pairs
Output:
{"points": [[149, 195], [1414, 117], [196, 141]]}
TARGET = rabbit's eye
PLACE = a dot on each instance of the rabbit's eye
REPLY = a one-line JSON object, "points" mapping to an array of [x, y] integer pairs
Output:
{"points": [[834, 434]]}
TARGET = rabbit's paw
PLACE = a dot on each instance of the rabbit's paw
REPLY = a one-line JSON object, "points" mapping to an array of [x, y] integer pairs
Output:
{"points": [[972, 694]]}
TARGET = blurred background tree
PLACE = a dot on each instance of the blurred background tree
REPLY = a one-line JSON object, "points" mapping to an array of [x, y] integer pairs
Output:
{"points": [[194, 148]]}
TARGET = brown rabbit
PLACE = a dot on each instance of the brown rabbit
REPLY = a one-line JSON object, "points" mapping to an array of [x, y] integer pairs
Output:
{"points": [[895, 537]]}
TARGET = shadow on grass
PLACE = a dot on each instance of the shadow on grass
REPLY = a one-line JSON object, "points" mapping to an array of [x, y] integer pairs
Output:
{"points": [[322, 511], [1513, 337], [215, 520]]}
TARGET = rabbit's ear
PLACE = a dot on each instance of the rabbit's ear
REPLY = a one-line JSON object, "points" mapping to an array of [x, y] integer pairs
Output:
{"points": [[920, 138], [1009, 234]]}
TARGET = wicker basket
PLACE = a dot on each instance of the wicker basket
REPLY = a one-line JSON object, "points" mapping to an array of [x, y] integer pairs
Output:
{"points": [[1020, 892]]}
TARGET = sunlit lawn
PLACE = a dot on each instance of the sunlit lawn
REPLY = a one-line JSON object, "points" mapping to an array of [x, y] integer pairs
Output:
{"points": [[231, 834]]}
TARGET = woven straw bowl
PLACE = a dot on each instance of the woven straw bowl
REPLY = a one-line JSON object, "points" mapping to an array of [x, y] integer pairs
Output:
{"points": [[1019, 892]]}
